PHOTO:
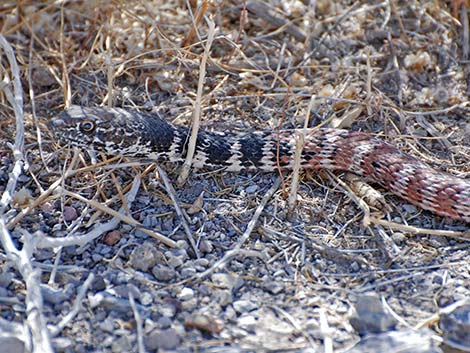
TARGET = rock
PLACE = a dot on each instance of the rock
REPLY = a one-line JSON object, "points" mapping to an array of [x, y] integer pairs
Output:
{"points": [[164, 273], [244, 306], [146, 298], [455, 326], [52, 295], [164, 322], [12, 344], [189, 305], [98, 283], [273, 287], [404, 341], [42, 77], [145, 256], [251, 189], [223, 297], [61, 344], [162, 339], [247, 322], [204, 323], [186, 294], [96, 257], [226, 281], [175, 261], [123, 291], [70, 214], [112, 238], [188, 272], [355, 267], [168, 311], [6, 277], [47, 207], [170, 308], [206, 246], [371, 316], [12, 338], [201, 262], [122, 344], [110, 303]]}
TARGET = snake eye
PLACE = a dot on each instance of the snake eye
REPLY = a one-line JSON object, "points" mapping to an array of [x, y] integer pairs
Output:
{"points": [[87, 126]]}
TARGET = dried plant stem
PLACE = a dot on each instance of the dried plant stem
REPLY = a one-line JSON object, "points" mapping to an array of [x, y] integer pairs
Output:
{"points": [[139, 324], [171, 192], [118, 216], [299, 147], [197, 107], [22, 259]]}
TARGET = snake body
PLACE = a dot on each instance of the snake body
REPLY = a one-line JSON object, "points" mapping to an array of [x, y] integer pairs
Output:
{"points": [[130, 133]]}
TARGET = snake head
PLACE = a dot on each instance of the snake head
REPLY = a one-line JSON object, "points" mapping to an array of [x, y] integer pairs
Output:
{"points": [[84, 127], [114, 131]]}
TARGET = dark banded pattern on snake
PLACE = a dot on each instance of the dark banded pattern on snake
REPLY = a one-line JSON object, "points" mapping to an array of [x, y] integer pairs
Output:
{"points": [[130, 133]]}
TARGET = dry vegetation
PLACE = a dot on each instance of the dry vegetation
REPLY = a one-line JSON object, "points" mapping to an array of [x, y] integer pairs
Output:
{"points": [[114, 258]]}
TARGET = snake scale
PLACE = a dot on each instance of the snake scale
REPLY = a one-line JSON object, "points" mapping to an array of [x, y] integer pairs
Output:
{"points": [[117, 131]]}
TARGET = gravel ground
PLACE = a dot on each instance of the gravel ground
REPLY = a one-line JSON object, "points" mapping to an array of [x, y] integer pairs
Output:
{"points": [[227, 268]]}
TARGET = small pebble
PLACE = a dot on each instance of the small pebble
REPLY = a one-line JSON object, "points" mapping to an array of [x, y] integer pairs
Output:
{"points": [[112, 238], [189, 305], [247, 322], [175, 261], [146, 298], [6, 278], [203, 323], [47, 207], [398, 237], [410, 208], [70, 213], [371, 316], [186, 294], [145, 256], [225, 280], [244, 306], [42, 77], [123, 291], [168, 310], [122, 344], [164, 322], [355, 267], [206, 246], [3, 292], [162, 339], [96, 257], [52, 295], [251, 189], [202, 262], [223, 297], [12, 344], [98, 283], [163, 273], [188, 272], [273, 287]]}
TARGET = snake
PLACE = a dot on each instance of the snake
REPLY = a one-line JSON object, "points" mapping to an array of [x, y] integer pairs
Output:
{"points": [[135, 134]]}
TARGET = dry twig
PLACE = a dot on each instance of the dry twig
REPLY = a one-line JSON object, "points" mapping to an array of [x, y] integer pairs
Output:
{"points": [[197, 107], [171, 192], [98, 230], [22, 259], [138, 322]]}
